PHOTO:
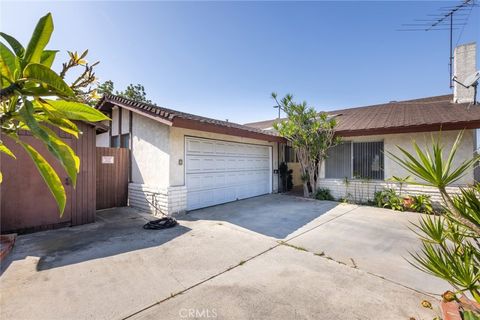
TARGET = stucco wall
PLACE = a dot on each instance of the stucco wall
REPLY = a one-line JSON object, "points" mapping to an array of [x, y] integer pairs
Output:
{"points": [[424, 140], [114, 125], [125, 121], [150, 152], [361, 190], [404, 140], [177, 152]]}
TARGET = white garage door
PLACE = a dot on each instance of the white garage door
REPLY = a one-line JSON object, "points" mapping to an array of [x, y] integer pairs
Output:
{"points": [[219, 171]]}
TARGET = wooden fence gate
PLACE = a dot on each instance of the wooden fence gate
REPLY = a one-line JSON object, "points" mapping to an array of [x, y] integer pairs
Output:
{"points": [[112, 177]]}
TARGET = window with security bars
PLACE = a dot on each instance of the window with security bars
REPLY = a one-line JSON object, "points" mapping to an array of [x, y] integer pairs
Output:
{"points": [[355, 160]]}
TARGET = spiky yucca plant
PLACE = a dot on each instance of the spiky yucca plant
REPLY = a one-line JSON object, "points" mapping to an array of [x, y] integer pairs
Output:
{"points": [[451, 247]]}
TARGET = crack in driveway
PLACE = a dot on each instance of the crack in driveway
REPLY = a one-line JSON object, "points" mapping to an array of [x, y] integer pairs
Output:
{"points": [[280, 243]]}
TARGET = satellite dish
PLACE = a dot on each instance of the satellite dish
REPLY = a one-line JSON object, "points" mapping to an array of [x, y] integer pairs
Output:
{"points": [[471, 79]]}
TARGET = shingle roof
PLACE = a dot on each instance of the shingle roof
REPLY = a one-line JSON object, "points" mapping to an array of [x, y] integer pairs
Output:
{"points": [[419, 115], [185, 120]]}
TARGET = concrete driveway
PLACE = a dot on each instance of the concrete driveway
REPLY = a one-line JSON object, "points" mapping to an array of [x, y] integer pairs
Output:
{"points": [[270, 257]]}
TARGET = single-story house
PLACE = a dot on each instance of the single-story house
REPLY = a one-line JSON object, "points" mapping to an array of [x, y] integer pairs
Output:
{"points": [[182, 162], [360, 165]]}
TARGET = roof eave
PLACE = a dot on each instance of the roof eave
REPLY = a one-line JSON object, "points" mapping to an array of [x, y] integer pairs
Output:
{"points": [[106, 105], [461, 125], [213, 128]]}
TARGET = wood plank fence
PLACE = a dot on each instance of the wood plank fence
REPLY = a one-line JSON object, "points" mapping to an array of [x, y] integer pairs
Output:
{"points": [[112, 177]]}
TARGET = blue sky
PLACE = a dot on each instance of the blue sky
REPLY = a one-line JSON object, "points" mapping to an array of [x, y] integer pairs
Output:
{"points": [[223, 59]]}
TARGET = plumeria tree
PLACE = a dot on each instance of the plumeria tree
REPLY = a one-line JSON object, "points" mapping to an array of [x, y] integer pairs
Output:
{"points": [[34, 98], [311, 134]]}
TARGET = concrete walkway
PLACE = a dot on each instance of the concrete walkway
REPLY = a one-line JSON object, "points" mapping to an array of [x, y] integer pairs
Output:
{"points": [[270, 257]]}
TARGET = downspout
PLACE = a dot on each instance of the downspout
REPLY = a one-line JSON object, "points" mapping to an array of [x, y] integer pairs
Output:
{"points": [[278, 167], [130, 155]]}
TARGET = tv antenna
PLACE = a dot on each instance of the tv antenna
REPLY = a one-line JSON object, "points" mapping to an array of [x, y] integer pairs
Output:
{"points": [[448, 18]]}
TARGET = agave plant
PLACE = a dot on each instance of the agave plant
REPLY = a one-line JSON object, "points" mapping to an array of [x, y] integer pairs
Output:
{"points": [[421, 203], [451, 248], [35, 98]]}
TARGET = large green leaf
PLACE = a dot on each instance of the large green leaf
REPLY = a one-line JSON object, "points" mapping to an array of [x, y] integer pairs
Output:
{"points": [[49, 175], [63, 152], [4, 149], [47, 58], [16, 46], [41, 73], [8, 63], [40, 38], [36, 90], [77, 111], [63, 124], [26, 115], [68, 158]]}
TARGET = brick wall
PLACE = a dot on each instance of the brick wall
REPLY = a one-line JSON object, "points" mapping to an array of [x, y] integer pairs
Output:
{"points": [[464, 66], [170, 201], [362, 191]]}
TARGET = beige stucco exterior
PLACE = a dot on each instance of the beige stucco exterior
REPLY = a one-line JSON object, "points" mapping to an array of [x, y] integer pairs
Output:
{"points": [[114, 126], [363, 190], [125, 121], [150, 152], [405, 141], [424, 140], [158, 160]]}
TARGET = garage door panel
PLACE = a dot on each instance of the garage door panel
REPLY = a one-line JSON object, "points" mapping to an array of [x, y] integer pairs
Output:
{"points": [[197, 146], [220, 164], [200, 199], [220, 171], [231, 178], [201, 181], [231, 164], [194, 164], [220, 148], [201, 164]]}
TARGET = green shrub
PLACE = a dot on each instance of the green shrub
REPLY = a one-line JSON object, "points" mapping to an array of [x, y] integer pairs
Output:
{"points": [[323, 194], [422, 203], [388, 198]]}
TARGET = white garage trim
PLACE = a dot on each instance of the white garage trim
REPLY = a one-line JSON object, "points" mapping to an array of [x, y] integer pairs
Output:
{"points": [[218, 171]]}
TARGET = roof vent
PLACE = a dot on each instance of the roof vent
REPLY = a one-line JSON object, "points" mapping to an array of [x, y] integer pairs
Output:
{"points": [[393, 101]]}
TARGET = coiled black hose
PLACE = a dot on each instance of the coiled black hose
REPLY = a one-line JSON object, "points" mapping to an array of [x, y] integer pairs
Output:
{"points": [[163, 223]]}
